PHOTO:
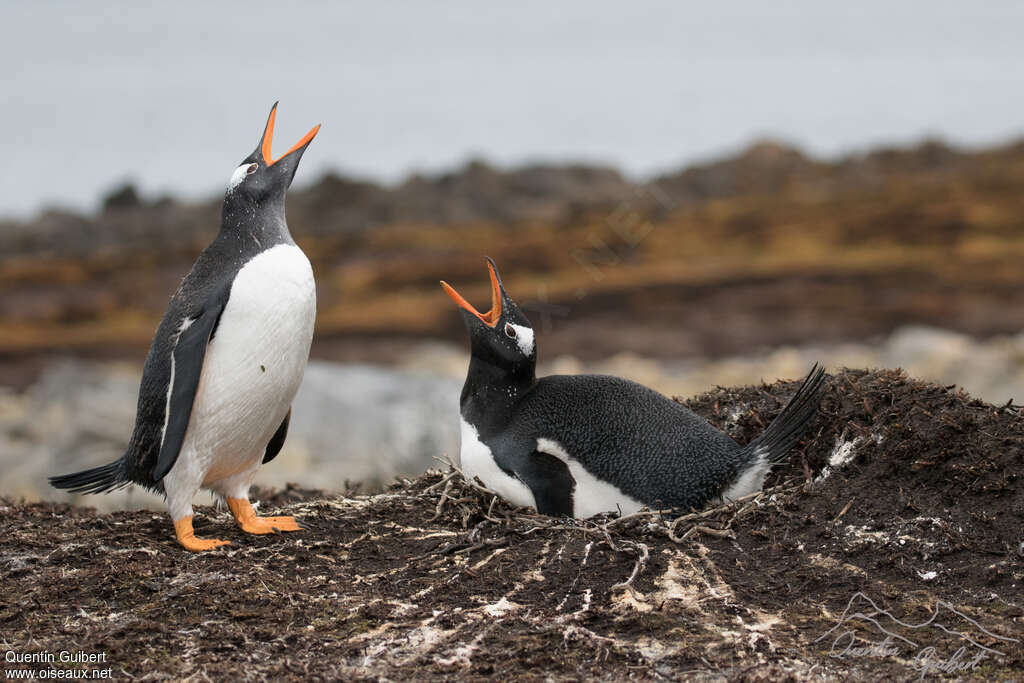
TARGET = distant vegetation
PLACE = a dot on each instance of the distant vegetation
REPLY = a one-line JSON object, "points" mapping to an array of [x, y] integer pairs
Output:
{"points": [[764, 248]]}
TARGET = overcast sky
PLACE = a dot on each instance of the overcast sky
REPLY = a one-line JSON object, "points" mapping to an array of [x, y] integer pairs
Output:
{"points": [[173, 97]]}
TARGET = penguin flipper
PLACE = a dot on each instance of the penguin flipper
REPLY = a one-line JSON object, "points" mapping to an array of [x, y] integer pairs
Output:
{"points": [[187, 358], [277, 440], [551, 483]]}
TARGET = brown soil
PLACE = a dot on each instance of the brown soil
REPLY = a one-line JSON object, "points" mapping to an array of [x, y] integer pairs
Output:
{"points": [[436, 579]]}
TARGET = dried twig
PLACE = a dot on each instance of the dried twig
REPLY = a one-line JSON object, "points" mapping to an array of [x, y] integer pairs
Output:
{"points": [[445, 479], [641, 561], [843, 511], [439, 510], [486, 543], [636, 515]]}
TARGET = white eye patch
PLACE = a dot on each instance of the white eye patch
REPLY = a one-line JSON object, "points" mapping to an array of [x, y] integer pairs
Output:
{"points": [[238, 176], [524, 337]]}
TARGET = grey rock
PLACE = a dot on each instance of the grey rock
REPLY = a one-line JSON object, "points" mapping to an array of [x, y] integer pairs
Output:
{"points": [[356, 423], [368, 424]]}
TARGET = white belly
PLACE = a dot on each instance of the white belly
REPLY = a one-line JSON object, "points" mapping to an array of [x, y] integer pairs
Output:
{"points": [[591, 495], [253, 364], [477, 461]]}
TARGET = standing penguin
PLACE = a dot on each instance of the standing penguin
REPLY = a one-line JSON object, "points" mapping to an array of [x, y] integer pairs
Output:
{"points": [[580, 445], [226, 360]]}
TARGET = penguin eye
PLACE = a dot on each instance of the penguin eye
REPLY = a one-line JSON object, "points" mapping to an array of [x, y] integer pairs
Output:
{"points": [[510, 331], [252, 169]]}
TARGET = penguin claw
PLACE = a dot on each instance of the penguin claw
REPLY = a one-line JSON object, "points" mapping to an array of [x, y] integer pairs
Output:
{"points": [[188, 540], [269, 525], [250, 523], [199, 545]]}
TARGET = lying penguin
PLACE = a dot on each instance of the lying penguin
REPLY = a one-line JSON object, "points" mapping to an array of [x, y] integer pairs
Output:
{"points": [[584, 444], [226, 360]]}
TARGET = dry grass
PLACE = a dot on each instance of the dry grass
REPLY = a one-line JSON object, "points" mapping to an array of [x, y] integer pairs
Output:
{"points": [[955, 229]]}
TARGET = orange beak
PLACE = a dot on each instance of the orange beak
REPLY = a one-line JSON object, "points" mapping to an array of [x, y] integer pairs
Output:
{"points": [[268, 139], [491, 317]]}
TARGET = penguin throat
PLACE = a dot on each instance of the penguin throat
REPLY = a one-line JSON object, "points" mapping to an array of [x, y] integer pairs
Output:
{"points": [[501, 375], [490, 390], [264, 220]]}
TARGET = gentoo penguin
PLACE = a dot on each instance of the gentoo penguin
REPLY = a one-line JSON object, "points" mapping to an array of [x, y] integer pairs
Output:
{"points": [[580, 445], [226, 360]]}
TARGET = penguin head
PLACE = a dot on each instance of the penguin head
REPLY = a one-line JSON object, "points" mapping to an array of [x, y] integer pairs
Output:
{"points": [[260, 177], [502, 336]]}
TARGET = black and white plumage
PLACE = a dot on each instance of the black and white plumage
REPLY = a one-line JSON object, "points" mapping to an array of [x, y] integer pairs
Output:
{"points": [[227, 358], [585, 444]]}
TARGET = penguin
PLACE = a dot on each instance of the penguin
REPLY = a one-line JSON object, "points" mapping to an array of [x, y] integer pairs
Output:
{"points": [[585, 444], [226, 360]]}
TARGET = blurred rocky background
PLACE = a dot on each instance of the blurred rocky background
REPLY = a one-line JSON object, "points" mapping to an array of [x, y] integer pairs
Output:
{"points": [[685, 194], [747, 268]]}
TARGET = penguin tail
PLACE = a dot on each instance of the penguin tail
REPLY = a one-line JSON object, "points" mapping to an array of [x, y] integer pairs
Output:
{"points": [[786, 429], [102, 479]]}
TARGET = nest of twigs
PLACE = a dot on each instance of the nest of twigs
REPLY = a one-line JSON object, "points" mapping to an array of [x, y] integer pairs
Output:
{"points": [[899, 516]]}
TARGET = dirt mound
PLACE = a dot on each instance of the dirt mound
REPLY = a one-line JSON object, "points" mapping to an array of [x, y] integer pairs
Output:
{"points": [[891, 544]]}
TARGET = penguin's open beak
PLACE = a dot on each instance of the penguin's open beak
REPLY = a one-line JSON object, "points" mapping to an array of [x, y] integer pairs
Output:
{"points": [[491, 317], [268, 140]]}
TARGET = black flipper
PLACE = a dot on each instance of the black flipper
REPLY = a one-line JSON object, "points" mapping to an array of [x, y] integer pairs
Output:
{"points": [[187, 365], [551, 483], [277, 440]]}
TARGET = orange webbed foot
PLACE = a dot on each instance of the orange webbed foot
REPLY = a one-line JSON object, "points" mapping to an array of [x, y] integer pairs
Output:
{"points": [[250, 523], [188, 540]]}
